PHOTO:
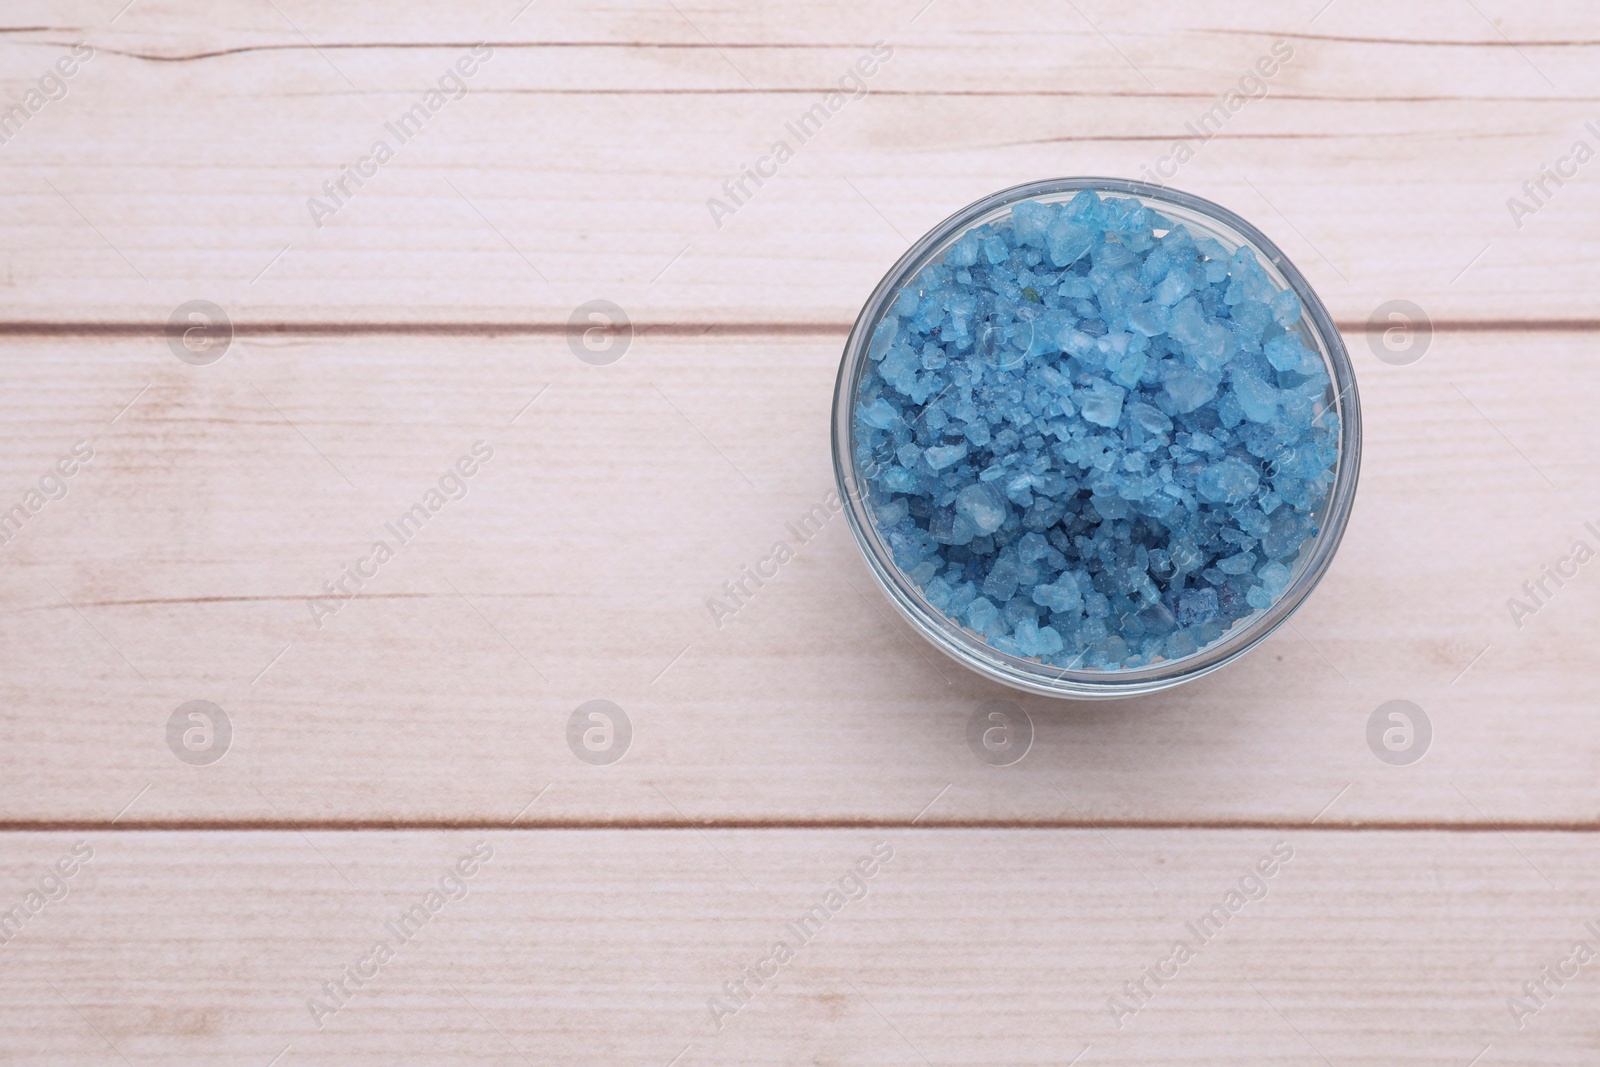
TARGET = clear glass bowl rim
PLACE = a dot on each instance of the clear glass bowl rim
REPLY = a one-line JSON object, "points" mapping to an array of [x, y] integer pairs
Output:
{"points": [[1046, 679]]}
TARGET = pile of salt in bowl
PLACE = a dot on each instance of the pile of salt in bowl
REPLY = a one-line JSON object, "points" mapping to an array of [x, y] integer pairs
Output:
{"points": [[1093, 438]]}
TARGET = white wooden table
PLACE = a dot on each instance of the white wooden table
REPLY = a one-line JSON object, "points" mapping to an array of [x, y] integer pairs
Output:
{"points": [[380, 330]]}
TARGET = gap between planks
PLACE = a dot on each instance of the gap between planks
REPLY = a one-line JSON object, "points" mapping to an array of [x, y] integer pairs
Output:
{"points": [[767, 46], [19, 826], [661, 329]]}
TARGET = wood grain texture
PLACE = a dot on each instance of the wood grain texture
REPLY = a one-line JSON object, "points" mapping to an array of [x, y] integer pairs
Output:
{"points": [[582, 160], [374, 747], [185, 558], [968, 947]]}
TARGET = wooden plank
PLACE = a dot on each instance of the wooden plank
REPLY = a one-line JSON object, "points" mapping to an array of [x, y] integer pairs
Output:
{"points": [[582, 160], [966, 948], [185, 520], [184, 562]]}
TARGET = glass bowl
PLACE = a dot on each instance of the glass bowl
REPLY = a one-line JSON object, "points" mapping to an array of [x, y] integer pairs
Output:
{"points": [[1316, 330]]}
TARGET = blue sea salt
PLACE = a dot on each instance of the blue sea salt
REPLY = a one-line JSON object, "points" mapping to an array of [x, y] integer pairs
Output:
{"points": [[1230, 480], [1093, 438], [880, 414], [942, 456], [1101, 404], [982, 615], [981, 506]]}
